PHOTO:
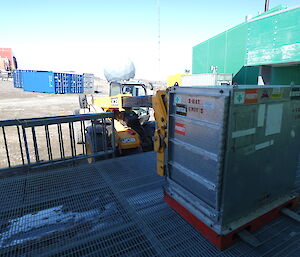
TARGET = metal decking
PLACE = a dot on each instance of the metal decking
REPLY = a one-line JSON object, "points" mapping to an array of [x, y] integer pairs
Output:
{"points": [[112, 208]]}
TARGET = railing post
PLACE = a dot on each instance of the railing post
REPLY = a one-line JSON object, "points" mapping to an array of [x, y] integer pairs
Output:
{"points": [[26, 148], [36, 150], [113, 143], [20, 144]]}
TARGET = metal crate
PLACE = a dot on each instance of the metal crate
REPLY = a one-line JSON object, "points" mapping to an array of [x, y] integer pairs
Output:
{"points": [[232, 151]]}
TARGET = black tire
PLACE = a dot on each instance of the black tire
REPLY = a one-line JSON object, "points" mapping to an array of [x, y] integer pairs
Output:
{"points": [[95, 139], [149, 129]]}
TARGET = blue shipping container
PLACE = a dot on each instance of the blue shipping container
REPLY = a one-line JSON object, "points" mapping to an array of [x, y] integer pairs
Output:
{"points": [[50, 82], [39, 81]]}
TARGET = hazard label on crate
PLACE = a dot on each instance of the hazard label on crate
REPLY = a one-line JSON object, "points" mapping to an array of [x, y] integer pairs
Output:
{"points": [[239, 97], [180, 128], [251, 96], [181, 109]]}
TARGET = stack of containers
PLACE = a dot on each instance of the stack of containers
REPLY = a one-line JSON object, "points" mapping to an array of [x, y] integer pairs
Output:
{"points": [[76, 82], [65, 83], [88, 83], [62, 83], [79, 83], [51, 82], [72, 79]]}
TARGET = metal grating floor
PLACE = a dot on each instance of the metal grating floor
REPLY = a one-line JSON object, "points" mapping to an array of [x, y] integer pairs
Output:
{"points": [[112, 208]]}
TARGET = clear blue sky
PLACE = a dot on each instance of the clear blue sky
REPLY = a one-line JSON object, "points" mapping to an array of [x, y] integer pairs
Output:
{"points": [[81, 35]]}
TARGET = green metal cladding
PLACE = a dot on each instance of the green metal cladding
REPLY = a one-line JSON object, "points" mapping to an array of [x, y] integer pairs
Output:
{"points": [[272, 38]]}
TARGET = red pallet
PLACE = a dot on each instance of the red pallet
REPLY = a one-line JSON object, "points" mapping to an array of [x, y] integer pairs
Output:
{"points": [[224, 241]]}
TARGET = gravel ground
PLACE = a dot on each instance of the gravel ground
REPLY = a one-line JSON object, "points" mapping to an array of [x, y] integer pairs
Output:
{"points": [[17, 104]]}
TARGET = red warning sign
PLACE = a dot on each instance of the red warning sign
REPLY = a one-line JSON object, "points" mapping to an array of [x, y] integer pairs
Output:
{"points": [[251, 96], [180, 128]]}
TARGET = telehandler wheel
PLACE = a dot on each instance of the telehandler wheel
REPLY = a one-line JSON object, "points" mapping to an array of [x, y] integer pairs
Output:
{"points": [[94, 141]]}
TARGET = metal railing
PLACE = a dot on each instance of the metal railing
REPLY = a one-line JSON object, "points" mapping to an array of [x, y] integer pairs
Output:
{"points": [[30, 143]]}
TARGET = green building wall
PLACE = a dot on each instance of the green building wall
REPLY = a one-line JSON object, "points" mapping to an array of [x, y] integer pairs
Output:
{"points": [[272, 39]]}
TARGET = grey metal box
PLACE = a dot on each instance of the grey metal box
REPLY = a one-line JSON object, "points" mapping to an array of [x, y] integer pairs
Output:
{"points": [[232, 151]]}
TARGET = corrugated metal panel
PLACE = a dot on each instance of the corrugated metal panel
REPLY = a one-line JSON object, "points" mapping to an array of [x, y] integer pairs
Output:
{"points": [[38, 81]]}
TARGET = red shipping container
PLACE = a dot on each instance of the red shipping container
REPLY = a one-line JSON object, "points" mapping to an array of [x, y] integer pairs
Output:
{"points": [[7, 53], [2, 65]]}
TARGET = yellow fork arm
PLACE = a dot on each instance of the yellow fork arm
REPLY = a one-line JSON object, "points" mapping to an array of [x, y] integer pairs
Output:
{"points": [[160, 106]]}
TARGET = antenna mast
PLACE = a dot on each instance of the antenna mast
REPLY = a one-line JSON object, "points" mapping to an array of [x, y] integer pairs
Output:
{"points": [[158, 38]]}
